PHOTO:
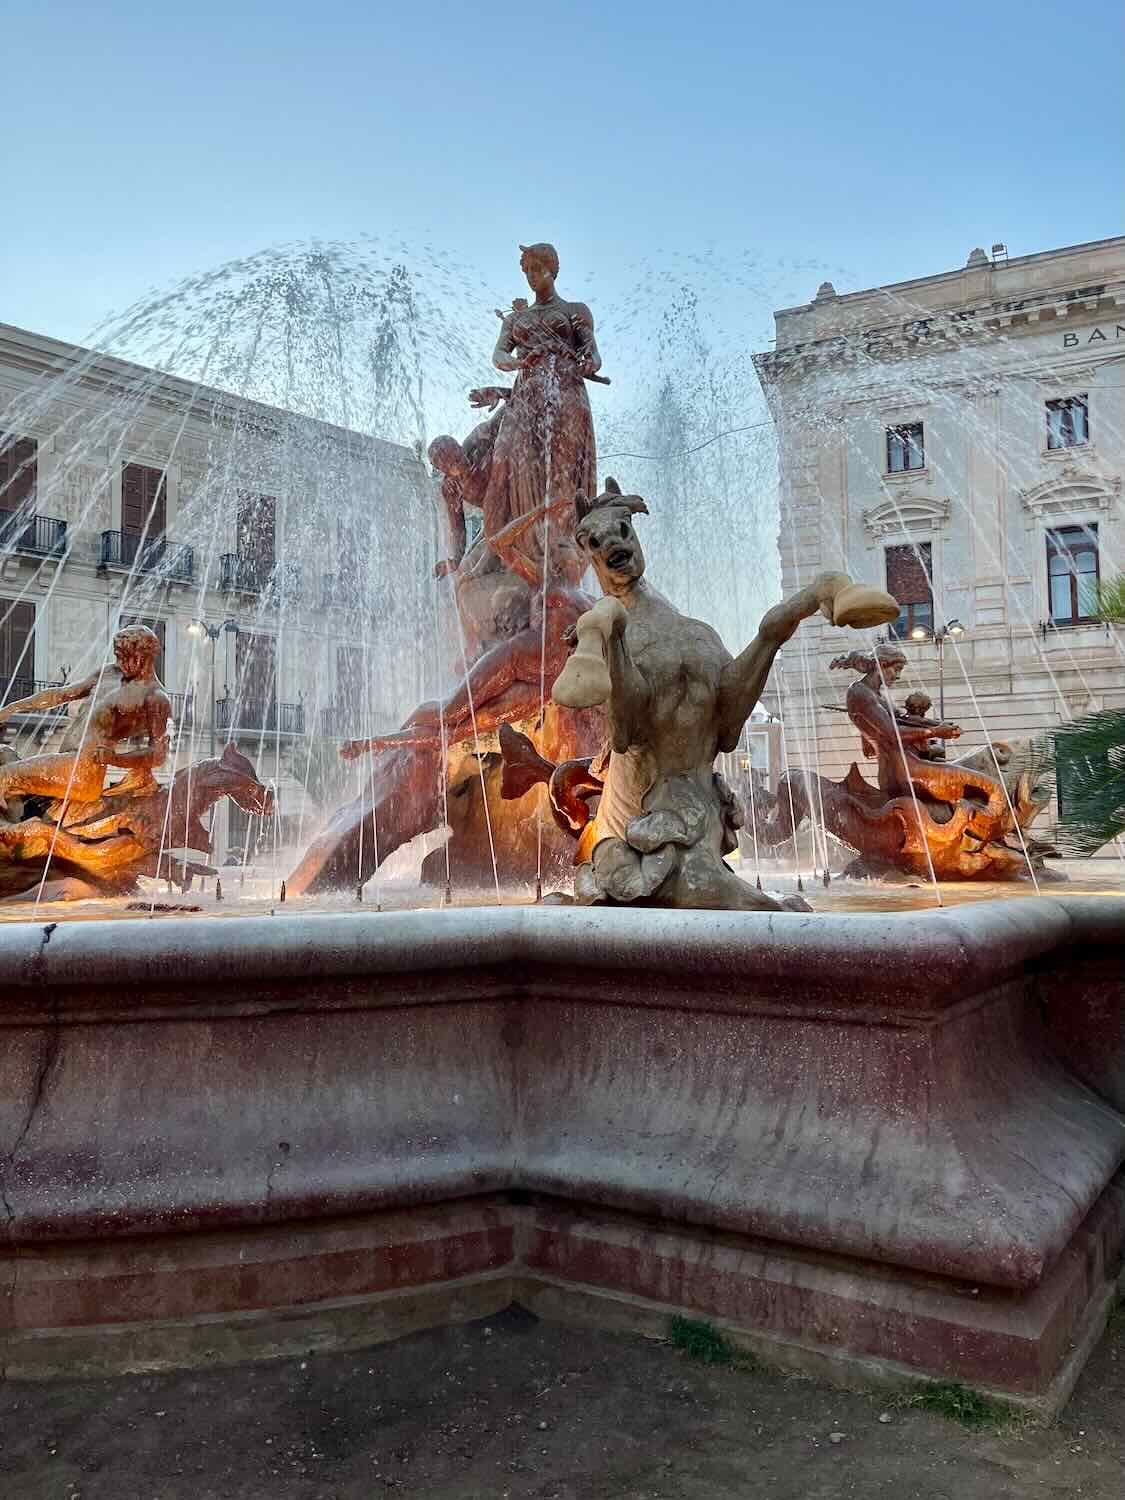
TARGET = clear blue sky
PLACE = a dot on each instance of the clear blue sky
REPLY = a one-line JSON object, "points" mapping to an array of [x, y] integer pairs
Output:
{"points": [[878, 141]]}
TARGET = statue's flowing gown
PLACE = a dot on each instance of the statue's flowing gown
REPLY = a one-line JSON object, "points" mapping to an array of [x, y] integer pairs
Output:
{"points": [[545, 446]]}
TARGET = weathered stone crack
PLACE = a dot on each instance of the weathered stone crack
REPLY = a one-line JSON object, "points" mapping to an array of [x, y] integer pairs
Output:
{"points": [[49, 1057]]}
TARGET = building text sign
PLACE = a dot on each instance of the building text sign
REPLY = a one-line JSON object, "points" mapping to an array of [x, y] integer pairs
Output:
{"points": [[1094, 336]]}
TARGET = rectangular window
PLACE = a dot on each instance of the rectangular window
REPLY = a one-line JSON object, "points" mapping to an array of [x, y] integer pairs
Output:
{"points": [[350, 676], [256, 662], [158, 628], [906, 449], [144, 510], [909, 580], [17, 649], [1068, 422], [19, 464], [257, 528], [1072, 574]]}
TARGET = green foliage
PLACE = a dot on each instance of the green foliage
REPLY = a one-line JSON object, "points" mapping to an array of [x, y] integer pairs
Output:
{"points": [[1111, 600], [1088, 764], [701, 1341], [958, 1403]]}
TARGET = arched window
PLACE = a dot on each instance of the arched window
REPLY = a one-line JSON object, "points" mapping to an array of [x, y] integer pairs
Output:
{"points": [[1072, 574]]}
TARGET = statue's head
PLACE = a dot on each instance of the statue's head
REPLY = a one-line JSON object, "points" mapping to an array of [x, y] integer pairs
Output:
{"points": [[540, 264], [136, 648], [448, 456], [918, 704], [885, 663], [605, 536]]}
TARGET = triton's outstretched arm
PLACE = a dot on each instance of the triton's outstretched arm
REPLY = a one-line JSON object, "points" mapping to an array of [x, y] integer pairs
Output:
{"points": [[744, 679]]}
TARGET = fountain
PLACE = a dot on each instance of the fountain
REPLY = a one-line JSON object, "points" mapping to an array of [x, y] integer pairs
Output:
{"points": [[877, 1147]]}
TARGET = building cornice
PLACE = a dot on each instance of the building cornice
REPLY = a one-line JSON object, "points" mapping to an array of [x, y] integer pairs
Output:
{"points": [[77, 371], [943, 330]]}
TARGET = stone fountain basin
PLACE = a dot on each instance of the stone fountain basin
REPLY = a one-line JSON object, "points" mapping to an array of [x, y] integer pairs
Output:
{"points": [[868, 1144]]}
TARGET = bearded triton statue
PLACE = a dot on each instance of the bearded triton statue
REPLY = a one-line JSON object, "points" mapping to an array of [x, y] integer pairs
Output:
{"points": [[675, 698]]}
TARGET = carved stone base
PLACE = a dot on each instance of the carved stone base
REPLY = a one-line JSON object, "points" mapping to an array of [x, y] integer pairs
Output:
{"points": [[198, 1299], [869, 1143]]}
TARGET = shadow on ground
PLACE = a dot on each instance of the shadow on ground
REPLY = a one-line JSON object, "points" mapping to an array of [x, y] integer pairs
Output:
{"points": [[520, 1409]]}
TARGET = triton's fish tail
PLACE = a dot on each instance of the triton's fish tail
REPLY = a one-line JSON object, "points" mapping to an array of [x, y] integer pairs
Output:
{"points": [[571, 788], [524, 767]]}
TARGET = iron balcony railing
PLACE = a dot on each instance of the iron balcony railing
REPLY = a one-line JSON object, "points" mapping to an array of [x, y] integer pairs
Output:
{"points": [[252, 575], [128, 549], [257, 715], [342, 721], [39, 536], [24, 687], [183, 709]]}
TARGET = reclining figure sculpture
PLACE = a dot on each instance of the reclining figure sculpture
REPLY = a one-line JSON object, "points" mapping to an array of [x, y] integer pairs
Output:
{"points": [[675, 698], [959, 819], [124, 701], [59, 819]]}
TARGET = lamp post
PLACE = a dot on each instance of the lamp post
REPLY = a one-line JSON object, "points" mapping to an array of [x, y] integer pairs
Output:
{"points": [[199, 629], [953, 631]]}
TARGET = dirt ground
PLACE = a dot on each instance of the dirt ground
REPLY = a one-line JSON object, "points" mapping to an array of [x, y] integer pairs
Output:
{"points": [[513, 1409]]}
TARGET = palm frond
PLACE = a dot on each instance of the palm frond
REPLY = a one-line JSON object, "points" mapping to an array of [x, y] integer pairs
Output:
{"points": [[1088, 765], [1111, 601]]}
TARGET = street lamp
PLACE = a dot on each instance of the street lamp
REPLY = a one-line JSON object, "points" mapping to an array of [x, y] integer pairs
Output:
{"points": [[951, 632], [200, 629]]}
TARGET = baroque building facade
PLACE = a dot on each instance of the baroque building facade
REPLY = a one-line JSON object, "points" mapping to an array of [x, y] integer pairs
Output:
{"points": [[960, 440], [280, 559]]}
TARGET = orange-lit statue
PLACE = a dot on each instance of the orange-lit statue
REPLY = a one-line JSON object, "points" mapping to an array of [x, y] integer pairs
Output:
{"points": [[100, 847], [959, 817], [125, 702], [518, 596]]}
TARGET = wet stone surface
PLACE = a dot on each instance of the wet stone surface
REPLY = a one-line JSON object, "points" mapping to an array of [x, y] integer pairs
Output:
{"points": [[531, 1411]]}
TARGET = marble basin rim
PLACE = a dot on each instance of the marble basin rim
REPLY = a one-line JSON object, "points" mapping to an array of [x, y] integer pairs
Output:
{"points": [[832, 1128]]}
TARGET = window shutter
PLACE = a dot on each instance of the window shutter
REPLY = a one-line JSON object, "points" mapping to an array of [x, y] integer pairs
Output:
{"points": [[157, 507], [143, 509], [349, 675], [257, 528], [256, 661], [18, 468], [132, 499], [908, 573], [17, 647]]}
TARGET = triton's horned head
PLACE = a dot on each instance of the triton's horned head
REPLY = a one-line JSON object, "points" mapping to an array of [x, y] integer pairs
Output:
{"points": [[605, 536]]}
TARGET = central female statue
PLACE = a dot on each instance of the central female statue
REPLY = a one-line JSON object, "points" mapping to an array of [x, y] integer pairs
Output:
{"points": [[544, 448]]}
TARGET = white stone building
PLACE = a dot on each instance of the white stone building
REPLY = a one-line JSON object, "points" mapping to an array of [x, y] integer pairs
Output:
{"points": [[959, 439], [304, 550]]}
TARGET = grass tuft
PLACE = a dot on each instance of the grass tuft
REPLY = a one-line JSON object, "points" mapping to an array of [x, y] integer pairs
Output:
{"points": [[701, 1341], [958, 1403]]}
